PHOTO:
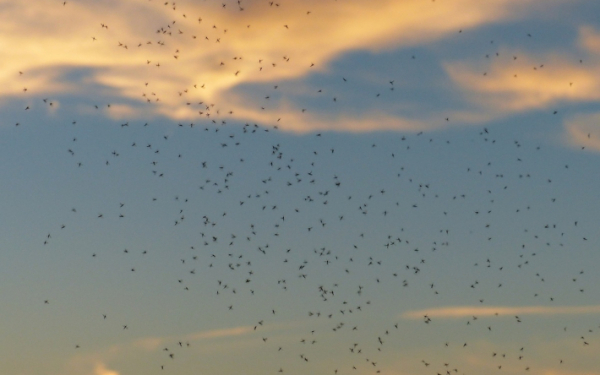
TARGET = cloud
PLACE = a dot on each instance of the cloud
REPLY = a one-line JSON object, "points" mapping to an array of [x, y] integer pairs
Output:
{"points": [[90, 364], [453, 312], [153, 343], [94, 362], [583, 131], [518, 81], [538, 82], [526, 84], [567, 372], [179, 60], [121, 111], [149, 343], [296, 121], [101, 369], [218, 333], [589, 40]]}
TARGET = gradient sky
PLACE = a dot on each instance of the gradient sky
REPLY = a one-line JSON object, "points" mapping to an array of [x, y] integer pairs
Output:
{"points": [[404, 187]]}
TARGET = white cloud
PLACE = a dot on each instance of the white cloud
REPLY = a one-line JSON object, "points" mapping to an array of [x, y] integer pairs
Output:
{"points": [[452, 312]]}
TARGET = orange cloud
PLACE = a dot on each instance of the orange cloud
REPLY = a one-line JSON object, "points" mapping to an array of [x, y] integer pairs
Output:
{"points": [[517, 81], [525, 84], [153, 343], [468, 311], [169, 56], [101, 369], [589, 40], [567, 372], [532, 82], [218, 333], [584, 131]]}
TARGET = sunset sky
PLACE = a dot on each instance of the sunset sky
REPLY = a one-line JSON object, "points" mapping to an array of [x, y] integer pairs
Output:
{"points": [[404, 187]]}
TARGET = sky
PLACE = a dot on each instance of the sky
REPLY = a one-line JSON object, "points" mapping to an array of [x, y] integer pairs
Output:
{"points": [[299, 187]]}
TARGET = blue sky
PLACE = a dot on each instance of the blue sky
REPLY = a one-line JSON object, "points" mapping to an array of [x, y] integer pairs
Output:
{"points": [[315, 187]]}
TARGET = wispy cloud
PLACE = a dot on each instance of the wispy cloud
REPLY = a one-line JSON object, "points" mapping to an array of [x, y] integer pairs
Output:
{"points": [[451, 312], [510, 85], [90, 364], [218, 333], [560, 372], [567, 372], [101, 369], [519, 81], [584, 131], [153, 343], [526, 84], [171, 58]]}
